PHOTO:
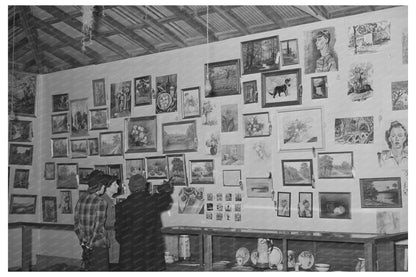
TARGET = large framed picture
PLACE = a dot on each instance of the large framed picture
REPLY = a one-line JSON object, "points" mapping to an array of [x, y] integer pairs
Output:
{"points": [[111, 144], [23, 204], [250, 92], [179, 137], [259, 187], [21, 154], [135, 166], [49, 173], [260, 55], [191, 103], [256, 124], [83, 173], [177, 169], [166, 94], [79, 117], [336, 205], [231, 178], [290, 52], [60, 103], [222, 78], [79, 148], [49, 209], [59, 147], [141, 134], [157, 167], [22, 92], [115, 170], [305, 205], [281, 88], [98, 92], [60, 123], [20, 131], [300, 129], [381, 192], [67, 176], [120, 101], [66, 202], [202, 171], [21, 178], [297, 172], [93, 148], [283, 204], [334, 165], [99, 119], [143, 91]]}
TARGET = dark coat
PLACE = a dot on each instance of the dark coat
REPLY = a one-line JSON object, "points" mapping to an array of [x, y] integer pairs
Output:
{"points": [[138, 230]]}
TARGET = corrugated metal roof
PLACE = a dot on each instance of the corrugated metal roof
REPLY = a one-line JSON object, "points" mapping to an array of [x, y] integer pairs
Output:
{"points": [[251, 16]]}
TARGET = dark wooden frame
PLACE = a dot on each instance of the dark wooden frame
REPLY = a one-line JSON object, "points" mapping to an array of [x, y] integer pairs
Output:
{"points": [[62, 193], [321, 214], [144, 167], [28, 175], [202, 161], [53, 172], [276, 66], [259, 113], [153, 120], [107, 119], [156, 158], [89, 148], [119, 167], [244, 93], [335, 153], [54, 109], [67, 123], [15, 145], [48, 198], [199, 102], [399, 192], [150, 92], [311, 194], [13, 196], [297, 160], [14, 123], [190, 122], [313, 95], [177, 183], [86, 150], [84, 181], [67, 147], [121, 143], [282, 60], [60, 186], [278, 203], [207, 66]]}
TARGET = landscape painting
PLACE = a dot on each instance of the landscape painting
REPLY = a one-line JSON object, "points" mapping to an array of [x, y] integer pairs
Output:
{"points": [[120, 100], [22, 204], [143, 90], [369, 38], [157, 167], [111, 144], [60, 147], [21, 179], [179, 137], [60, 123], [222, 78], [67, 176], [20, 131], [141, 134], [354, 130], [79, 117], [399, 95], [281, 88], [22, 93], [259, 187], [21, 154], [260, 55], [232, 154], [335, 205], [381, 192], [333, 165], [166, 93], [297, 172], [191, 200], [60, 102], [177, 169], [79, 148], [290, 52], [135, 166], [202, 171]]}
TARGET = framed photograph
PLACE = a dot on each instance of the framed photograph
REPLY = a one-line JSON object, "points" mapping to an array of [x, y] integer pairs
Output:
{"points": [[177, 169], [305, 205], [250, 92], [79, 117], [23, 204], [60, 103], [59, 147], [166, 94], [281, 88], [335, 205], [259, 187], [232, 154], [260, 55], [283, 204], [111, 144], [49, 209], [179, 137], [21, 178], [98, 92], [21, 154], [202, 172], [231, 178], [22, 90], [60, 123], [334, 165], [20, 131], [143, 91], [381, 192], [83, 173], [120, 100], [256, 125], [93, 148], [300, 129], [79, 148], [229, 118], [66, 202], [354, 130], [99, 119], [297, 172], [157, 167], [222, 78], [135, 166], [191, 103], [290, 52], [116, 170], [141, 134], [102, 168], [67, 176], [319, 87], [49, 173]]}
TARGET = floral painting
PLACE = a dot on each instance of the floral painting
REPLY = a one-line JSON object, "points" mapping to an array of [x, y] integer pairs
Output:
{"points": [[79, 117], [191, 200], [166, 93], [22, 94], [369, 37], [208, 113], [143, 90], [232, 154], [141, 134], [399, 94], [212, 143], [229, 118], [256, 125], [120, 101], [360, 81], [354, 130]]}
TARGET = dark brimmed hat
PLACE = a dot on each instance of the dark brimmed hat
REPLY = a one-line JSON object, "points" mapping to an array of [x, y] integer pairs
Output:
{"points": [[137, 183], [97, 179]]}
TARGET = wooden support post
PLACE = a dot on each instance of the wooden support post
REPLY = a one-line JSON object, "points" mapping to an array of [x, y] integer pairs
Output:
{"points": [[370, 256], [208, 252], [26, 248], [201, 251], [284, 254]]}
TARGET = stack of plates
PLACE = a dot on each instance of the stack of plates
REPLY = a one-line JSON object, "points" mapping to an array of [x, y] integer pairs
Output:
{"points": [[322, 267]]}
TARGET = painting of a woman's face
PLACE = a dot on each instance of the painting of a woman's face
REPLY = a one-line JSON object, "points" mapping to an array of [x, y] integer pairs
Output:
{"points": [[397, 137], [320, 42]]}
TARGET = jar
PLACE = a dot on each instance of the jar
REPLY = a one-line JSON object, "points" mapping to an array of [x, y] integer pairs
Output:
{"points": [[184, 248]]}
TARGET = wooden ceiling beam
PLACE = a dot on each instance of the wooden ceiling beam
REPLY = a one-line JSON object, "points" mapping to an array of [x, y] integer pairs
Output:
{"points": [[310, 12], [321, 11], [273, 16], [231, 19]]}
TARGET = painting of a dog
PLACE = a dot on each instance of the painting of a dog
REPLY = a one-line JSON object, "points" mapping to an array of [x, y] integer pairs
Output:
{"points": [[281, 88]]}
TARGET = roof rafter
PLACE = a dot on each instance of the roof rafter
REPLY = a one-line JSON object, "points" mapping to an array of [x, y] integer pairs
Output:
{"points": [[231, 19], [308, 10], [273, 16]]}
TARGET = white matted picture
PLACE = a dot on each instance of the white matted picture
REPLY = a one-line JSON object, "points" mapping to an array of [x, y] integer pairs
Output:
{"points": [[283, 204], [191, 102], [231, 178], [259, 187]]}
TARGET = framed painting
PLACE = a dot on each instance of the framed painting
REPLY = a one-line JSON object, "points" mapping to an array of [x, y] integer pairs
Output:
{"points": [[20, 131], [399, 95], [290, 52], [93, 148], [22, 204], [260, 55], [141, 134], [22, 87], [83, 173], [60, 123], [166, 94], [305, 205], [229, 118], [66, 202], [21, 154], [116, 170], [49, 209], [21, 178], [256, 125], [369, 37], [157, 167], [79, 148], [202, 171], [191, 103], [232, 154], [79, 117], [120, 100], [336, 205], [98, 92], [135, 166], [354, 130], [59, 147], [250, 92], [222, 78], [319, 87], [111, 144], [60, 103], [381, 192], [231, 178], [49, 173], [335, 165], [283, 204], [191, 200], [297, 172], [179, 137], [300, 129], [281, 88], [143, 91], [102, 168], [259, 187], [67, 176], [99, 119], [177, 169]]}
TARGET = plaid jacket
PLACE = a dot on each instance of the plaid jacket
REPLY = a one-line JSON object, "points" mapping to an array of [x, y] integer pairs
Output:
{"points": [[89, 220]]}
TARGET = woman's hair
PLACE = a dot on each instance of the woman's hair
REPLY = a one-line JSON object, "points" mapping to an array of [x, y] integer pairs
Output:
{"points": [[396, 124], [323, 33]]}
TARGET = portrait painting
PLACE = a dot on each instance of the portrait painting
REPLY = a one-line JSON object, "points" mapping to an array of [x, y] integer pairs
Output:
{"points": [[98, 92], [283, 204], [395, 153], [202, 171], [79, 117], [388, 222], [60, 123], [381, 192], [79, 148], [22, 204], [157, 167], [335, 205], [141, 134], [60, 103], [143, 91], [49, 173], [166, 94], [135, 166], [281, 88], [232, 154], [229, 118], [208, 113], [360, 81], [93, 147], [250, 92], [191, 103], [290, 52], [179, 137], [369, 37], [115, 170], [20, 131], [319, 87], [259, 187], [222, 78], [111, 144], [320, 55], [191, 200], [256, 124], [354, 130], [22, 94], [260, 55], [177, 169], [21, 178], [99, 119], [20, 154], [83, 173], [231, 178], [59, 147], [399, 94], [305, 205], [297, 172], [66, 202], [405, 42], [334, 165], [67, 176], [49, 209], [120, 99]]}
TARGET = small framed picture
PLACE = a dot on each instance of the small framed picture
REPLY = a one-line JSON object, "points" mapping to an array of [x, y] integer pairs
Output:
{"points": [[115, 170], [98, 92], [157, 167], [381, 192], [60, 123], [20, 131], [177, 169], [179, 137], [305, 205], [335, 165], [99, 119], [250, 93], [120, 99], [228, 196], [21, 154], [202, 172], [49, 209], [66, 202], [60, 103], [111, 144], [210, 196], [283, 204], [297, 172], [83, 173], [166, 93], [319, 87], [191, 103], [135, 166], [336, 205], [259, 187], [67, 176], [219, 197], [231, 178], [141, 134], [79, 117], [21, 178], [238, 197], [256, 124], [290, 52], [143, 91], [79, 148], [59, 147], [93, 147], [102, 168], [49, 173], [222, 78], [23, 204]]}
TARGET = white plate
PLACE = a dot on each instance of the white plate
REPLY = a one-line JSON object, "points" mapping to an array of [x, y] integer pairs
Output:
{"points": [[275, 257], [306, 259], [254, 256], [244, 253]]}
